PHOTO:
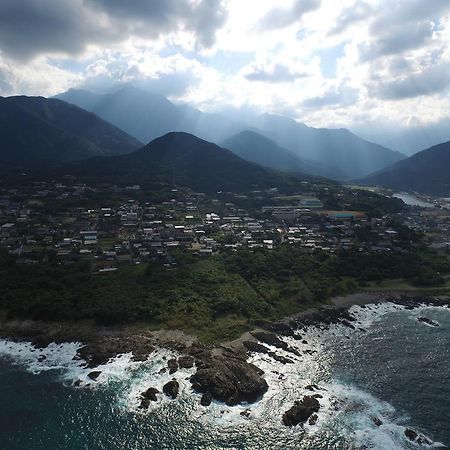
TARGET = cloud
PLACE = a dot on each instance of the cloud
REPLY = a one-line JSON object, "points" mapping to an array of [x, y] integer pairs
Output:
{"points": [[155, 17], [432, 80], [32, 27], [278, 18], [278, 73], [405, 37], [341, 97], [358, 12]]}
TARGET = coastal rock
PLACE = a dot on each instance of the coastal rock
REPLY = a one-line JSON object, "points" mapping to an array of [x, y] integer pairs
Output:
{"points": [[145, 403], [281, 359], [99, 351], [301, 411], [171, 389], [313, 419], [186, 362], [256, 347], [312, 387], [150, 394], [427, 321], [172, 364], [227, 376], [411, 434], [272, 339], [206, 399], [94, 374], [377, 421], [419, 439]]}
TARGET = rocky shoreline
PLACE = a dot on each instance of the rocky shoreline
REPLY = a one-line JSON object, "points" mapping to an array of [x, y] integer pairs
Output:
{"points": [[222, 373]]}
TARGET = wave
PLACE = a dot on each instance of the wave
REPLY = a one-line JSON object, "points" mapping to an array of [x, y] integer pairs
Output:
{"points": [[349, 417]]}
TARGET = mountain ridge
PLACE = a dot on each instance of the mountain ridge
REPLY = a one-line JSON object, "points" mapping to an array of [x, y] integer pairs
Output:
{"points": [[152, 115]]}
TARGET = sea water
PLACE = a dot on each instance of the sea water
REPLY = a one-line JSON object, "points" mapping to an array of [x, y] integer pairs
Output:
{"points": [[395, 371]]}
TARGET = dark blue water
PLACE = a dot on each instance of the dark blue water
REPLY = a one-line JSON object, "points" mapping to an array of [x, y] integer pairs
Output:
{"points": [[398, 370]]}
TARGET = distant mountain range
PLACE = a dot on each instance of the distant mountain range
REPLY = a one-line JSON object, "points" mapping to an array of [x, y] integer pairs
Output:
{"points": [[146, 116], [182, 159], [256, 148], [426, 172], [40, 132]]}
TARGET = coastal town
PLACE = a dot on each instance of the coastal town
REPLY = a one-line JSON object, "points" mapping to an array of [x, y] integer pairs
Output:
{"points": [[111, 226]]}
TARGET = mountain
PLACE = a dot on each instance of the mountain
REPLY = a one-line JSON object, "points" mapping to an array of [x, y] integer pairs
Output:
{"points": [[183, 159], [427, 172], [35, 132], [256, 148], [337, 148], [141, 114], [146, 116]]}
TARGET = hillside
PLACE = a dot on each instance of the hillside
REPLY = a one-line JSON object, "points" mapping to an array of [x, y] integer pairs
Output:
{"points": [[185, 160], [35, 132], [256, 148], [426, 172]]}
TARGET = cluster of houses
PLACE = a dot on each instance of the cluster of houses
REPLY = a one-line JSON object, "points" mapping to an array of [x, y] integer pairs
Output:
{"points": [[69, 222]]}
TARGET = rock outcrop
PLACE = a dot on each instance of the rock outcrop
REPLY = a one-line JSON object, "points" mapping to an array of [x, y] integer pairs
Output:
{"points": [[171, 389], [301, 411], [227, 376], [148, 396], [100, 351], [427, 321]]}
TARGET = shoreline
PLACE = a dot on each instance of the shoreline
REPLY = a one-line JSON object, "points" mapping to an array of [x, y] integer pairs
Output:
{"points": [[222, 372], [41, 333]]}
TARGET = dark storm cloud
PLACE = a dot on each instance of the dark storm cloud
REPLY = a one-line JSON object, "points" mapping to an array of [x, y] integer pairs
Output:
{"points": [[284, 17], [433, 80], [154, 17], [32, 27], [278, 74]]}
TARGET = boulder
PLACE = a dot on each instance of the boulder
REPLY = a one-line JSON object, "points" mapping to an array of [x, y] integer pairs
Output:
{"points": [[256, 347], [172, 364], [150, 394], [171, 389], [377, 421], [301, 411], [94, 374], [228, 377], [206, 399], [427, 321], [186, 362], [313, 419]]}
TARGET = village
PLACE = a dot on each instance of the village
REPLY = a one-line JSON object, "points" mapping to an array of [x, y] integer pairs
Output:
{"points": [[112, 226]]}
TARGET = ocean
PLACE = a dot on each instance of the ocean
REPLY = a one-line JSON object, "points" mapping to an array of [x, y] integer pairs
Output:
{"points": [[374, 385]]}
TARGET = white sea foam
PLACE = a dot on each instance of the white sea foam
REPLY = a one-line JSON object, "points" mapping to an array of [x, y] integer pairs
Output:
{"points": [[346, 410]]}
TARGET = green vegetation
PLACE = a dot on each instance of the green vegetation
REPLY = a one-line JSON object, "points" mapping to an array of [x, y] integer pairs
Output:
{"points": [[216, 298]]}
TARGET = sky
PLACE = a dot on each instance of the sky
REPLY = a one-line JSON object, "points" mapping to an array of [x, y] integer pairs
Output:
{"points": [[375, 66]]}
